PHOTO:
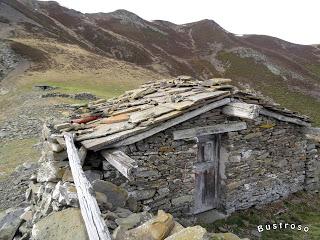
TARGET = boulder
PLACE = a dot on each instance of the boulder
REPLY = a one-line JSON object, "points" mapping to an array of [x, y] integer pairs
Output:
{"points": [[65, 194], [133, 220], [224, 236], [122, 212], [103, 201], [67, 176], [49, 172], [189, 233], [156, 228], [182, 200], [117, 196], [177, 228], [93, 175], [132, 204], [10, 221], [66, 224], [144, 194]]}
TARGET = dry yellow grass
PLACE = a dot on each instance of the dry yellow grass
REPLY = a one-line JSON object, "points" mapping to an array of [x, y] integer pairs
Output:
{"points": [[77, 70]]}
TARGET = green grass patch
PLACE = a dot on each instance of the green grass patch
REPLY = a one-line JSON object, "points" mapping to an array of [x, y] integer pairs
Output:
{"points": [[314, 68], [300, 208], [295, 101], [95, 82], [17, 152]]}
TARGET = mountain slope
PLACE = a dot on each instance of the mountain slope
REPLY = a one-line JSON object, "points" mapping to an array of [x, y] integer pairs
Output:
{"points": [[290, 73]]}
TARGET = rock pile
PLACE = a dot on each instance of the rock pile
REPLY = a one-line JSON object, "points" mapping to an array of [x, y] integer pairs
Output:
{"points": [[77, 96], [8, 59]]}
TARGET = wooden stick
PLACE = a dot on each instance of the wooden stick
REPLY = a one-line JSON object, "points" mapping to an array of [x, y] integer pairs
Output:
{"points": [[96, 227], [284, 118]]}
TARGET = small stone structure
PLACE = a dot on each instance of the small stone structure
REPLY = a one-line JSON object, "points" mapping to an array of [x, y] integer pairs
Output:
{"points": [[183, 146]]}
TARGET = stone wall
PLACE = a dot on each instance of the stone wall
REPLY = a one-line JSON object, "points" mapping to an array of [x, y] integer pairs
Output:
{"points": [[312, 180], [267, 161]]}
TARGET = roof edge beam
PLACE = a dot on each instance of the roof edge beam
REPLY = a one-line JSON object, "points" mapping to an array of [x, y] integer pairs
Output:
{"points": [[209, 130]]}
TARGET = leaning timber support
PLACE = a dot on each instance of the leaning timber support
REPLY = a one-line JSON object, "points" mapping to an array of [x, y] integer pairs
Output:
{"points": [[123, 163], [96, 227]]}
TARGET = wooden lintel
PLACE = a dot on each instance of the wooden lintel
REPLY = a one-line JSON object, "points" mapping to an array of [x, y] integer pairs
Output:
{"points": [[280, 117], [209, 130], [123, 163], [242, 110]]}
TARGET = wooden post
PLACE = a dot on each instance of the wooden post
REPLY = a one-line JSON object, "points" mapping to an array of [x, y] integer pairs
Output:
{"points": [[96, 227]]}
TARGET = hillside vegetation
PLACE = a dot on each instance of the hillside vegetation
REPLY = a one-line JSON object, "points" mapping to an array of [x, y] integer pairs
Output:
{"points": [[78, 52]]}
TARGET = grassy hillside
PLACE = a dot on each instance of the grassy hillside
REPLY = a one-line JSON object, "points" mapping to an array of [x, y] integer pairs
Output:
{"points": [[258, 76], [74, 70]]}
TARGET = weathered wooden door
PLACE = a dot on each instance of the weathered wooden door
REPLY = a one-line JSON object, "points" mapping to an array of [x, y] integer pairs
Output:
{"points": [[206, 171]]}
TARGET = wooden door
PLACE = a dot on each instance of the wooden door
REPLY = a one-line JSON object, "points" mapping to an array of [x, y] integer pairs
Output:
{"points": [[206, 171]]}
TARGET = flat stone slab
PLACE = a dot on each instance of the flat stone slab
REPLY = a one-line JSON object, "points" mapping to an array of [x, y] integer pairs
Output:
{"points": [[66, 224]]}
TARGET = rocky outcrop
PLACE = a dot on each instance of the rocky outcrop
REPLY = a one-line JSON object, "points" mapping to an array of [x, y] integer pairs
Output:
{"points": [[8, 59]]}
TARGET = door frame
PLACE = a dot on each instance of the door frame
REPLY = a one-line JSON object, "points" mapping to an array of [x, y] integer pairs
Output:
{"points": [[207, 190]]}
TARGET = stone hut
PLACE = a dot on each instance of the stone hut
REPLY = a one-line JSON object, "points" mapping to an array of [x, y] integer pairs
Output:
{"points": [[188, 146]]}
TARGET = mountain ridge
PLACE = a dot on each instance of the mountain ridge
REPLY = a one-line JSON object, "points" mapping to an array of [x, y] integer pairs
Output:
{"points": [[202, 49]]}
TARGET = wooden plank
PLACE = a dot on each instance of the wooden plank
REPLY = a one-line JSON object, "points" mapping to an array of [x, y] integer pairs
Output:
{"points": [[242, 110], [123, 163], [284, 118], [100, 143], [169, 123], [209, 130], [95, 225]]}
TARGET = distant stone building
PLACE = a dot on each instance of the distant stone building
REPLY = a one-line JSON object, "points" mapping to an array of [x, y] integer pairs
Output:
{"points": [[188, 146]]}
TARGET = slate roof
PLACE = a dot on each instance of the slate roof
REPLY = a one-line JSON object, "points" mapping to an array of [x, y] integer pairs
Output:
{"points": [[153, 103]]}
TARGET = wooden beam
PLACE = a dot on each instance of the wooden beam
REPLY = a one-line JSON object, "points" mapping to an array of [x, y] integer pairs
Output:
{"points": [[209, 130], [123, 163], [280, 117], [95, 225], [242, 110], [169, 123]]}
